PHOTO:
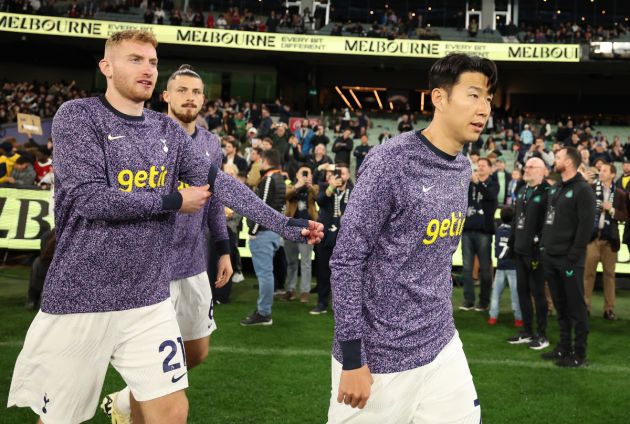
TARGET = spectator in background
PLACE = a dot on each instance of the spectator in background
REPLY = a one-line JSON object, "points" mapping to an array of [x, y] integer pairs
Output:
{"points": [[361, 151], [210, 21], [611, 204], [221, 23], [516, 182], [176, 17], [405, 124], [43, 164], [477, 235], [317, 161], [473, 28], [617, 154], [305, 135], [506, 269], [8, 159], [624, 181], [343, 146], [527, 137], [159, 15], [272, 22], [263, 243], [264, 128], [332, 204], [233, 220], [320, 136], [253, 174], [73, 10], [503, 178], [197, 20], [585, 155], [538, 150], [599, 152], [23, 175], [544, 131], [149, 16], [301, 197], [231, 154]]}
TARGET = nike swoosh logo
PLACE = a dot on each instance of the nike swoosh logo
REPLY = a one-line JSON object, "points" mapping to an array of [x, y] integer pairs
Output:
{"points": [[112, 138], [176, 379], [426, 189]]}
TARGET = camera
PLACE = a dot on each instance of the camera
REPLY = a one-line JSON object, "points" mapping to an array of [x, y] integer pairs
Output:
{"points": [[337, 173], [305, 174]]}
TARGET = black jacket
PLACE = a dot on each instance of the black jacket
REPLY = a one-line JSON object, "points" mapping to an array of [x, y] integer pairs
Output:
{"points": [[239, 161], [569, 219], [271, 189], [342, 149], [327, 212], [482, 204], [529, 219]]}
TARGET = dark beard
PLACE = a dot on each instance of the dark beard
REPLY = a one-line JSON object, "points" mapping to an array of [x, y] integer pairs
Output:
{"points": [[186, 118]]}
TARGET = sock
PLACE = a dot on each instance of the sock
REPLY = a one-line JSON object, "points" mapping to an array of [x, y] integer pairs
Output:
{"points": [[123, 404]]}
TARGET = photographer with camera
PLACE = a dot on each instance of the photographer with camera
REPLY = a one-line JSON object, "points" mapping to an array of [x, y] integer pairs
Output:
{"points": [[332, 205], [301, 196], [538, 150]]}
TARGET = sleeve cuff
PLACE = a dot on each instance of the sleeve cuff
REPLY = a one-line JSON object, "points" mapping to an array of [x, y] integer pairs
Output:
{"points": [[172, 202], [293, 222], [222, 247], [351, 352], [212, 176]]}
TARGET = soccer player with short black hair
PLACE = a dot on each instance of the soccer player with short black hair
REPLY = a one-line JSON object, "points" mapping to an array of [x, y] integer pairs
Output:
{"points": [[395, 339], [106, 295]]}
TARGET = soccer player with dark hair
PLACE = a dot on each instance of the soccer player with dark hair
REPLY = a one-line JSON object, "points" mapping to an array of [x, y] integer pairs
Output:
{"points": [[106, 295], [567, 231], [395, 339]]}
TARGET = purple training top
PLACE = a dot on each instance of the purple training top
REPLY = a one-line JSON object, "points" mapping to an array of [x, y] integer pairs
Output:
{"points": [[190, 244], [115, 184], [391, 267]]}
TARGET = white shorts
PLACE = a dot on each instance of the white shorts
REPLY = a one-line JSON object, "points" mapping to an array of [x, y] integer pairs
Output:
{"points": [[438, 393], [192, 300], [60, 371]]}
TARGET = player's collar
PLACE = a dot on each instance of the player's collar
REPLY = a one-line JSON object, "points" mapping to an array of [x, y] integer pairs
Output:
{"points": [[119, 113]]}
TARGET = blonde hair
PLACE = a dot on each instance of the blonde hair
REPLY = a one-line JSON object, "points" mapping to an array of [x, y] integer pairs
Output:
{"points": [[230, 167], [139, 35]]}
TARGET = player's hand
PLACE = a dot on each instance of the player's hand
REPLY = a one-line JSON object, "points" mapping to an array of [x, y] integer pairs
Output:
{"points": [[194, 198], [224, 271], [314, 233], [355, 387]]}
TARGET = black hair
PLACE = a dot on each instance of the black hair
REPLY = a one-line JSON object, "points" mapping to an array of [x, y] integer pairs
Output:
{"points": [[341, 165], [445, 72], [22, 160], [272, 157], [574, 155], [507, 213], [185, 71]]}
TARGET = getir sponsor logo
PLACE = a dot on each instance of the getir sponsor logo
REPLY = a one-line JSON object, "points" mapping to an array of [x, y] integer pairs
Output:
{"points": [[154, 178], [448, 227]]}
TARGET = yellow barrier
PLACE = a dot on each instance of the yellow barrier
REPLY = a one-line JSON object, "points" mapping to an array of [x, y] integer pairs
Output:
{"points": [[293, 43], [26, 214]]}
